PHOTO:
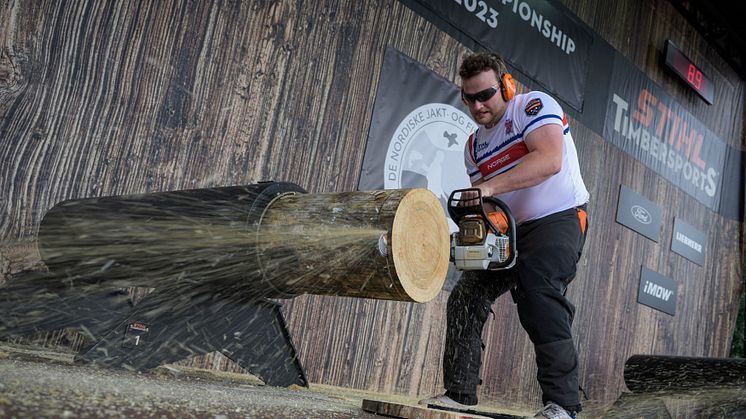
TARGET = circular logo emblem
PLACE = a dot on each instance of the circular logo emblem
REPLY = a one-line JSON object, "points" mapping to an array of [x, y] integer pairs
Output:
{"points": [[427, 151], [641, 214]]}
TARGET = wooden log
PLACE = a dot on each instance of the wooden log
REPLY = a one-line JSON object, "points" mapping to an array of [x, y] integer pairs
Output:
{"points": [[386, 244], [406, 411], [265, 240], [662, 373], [710, 402]]}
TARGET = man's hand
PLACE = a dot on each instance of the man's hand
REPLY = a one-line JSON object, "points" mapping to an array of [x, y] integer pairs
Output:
{"points": [[471, 198]]}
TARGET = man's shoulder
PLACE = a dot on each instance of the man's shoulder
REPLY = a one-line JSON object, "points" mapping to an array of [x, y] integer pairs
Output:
{"points": [[523, 98], [534, 102]]}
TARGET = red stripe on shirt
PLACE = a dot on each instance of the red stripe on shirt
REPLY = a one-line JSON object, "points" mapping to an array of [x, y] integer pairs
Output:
{"points": [[469, 146], [501, 160]]}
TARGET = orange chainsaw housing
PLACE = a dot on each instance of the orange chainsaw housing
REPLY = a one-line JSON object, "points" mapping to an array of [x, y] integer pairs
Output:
{"points": [[500, 221]]}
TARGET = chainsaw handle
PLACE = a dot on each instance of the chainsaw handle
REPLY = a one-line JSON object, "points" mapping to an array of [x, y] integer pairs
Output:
{"points": [[504, 208], [510, 233], [457, 207]]}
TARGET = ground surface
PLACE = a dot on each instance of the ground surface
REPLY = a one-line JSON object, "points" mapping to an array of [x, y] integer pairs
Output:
{"points": [[45, 384], [34, 387], [40, 383]]}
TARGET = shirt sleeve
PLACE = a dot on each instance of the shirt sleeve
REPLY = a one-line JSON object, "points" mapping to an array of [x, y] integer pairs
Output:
{"points": [[472, 170], [539, 109]]}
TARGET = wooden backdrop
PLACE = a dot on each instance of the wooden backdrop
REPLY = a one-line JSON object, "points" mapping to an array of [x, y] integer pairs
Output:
{"points": [[108, 97]]}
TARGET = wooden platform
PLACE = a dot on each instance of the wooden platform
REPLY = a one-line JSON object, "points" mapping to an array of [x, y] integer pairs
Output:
{"points": [[406, 411]]}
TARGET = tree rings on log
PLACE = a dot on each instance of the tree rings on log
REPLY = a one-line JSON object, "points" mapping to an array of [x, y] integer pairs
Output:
{"points": [[420, 245]]}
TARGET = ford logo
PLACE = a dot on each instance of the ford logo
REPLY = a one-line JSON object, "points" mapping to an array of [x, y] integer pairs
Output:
{"points": [[641, 214]]}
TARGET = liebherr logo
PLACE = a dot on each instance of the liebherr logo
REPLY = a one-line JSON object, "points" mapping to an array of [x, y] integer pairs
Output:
{"points": [[657, 291], [688, 242]]}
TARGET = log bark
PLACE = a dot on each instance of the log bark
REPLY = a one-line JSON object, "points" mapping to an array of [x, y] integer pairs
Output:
{"points": [[661, 373]]}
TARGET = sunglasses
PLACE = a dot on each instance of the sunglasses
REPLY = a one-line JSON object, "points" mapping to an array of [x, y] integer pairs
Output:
{"points": [[481, 96]]}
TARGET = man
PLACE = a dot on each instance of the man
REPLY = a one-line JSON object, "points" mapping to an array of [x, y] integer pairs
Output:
{"points": [[523, 154]]}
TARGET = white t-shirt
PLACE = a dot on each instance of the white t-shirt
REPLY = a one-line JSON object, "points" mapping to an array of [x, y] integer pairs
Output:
{"points": [[490, 152]]}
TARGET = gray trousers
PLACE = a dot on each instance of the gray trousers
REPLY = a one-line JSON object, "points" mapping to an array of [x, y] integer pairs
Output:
{"points": [[548, 251]]}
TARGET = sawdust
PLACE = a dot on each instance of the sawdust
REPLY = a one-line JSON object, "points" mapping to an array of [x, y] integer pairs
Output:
{"points": [[180, 371], [30, 388], [41, 382]]}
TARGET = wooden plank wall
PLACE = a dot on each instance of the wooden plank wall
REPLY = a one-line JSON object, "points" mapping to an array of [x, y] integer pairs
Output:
{"points": [[706, 311], [106, 98]]}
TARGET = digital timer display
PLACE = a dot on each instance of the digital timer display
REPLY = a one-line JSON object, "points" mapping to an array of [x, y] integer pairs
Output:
{"points": [[690, 73]]}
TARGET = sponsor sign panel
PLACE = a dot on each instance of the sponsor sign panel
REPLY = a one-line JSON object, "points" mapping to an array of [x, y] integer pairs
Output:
{"points": [[540, 38], [135, 334], [657, 291], [644, 121], [638, 213], [688, 241]]}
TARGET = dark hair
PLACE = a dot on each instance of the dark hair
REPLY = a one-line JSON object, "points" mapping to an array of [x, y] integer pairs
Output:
{"points": [[474, 64]]}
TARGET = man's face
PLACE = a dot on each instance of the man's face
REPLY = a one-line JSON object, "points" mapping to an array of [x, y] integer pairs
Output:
{"points": [[486, 111]]}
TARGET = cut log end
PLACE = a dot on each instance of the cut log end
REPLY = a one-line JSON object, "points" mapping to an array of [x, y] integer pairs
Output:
{"points": [[420, 245]]}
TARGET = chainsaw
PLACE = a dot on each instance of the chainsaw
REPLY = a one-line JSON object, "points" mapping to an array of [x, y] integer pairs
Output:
{"points": [[484, 240]]}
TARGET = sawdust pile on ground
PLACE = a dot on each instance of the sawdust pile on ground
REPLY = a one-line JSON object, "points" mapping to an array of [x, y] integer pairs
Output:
{"points": [[48, 385], [29, 388]]}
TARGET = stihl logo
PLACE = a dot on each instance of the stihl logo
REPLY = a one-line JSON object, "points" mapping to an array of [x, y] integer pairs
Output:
{"points": [[139, 326], [669, 140], [657, 291]]}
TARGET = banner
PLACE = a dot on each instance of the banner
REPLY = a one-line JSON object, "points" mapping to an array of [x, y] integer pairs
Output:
{"points": [[644, 121], [538, 37], [417, 135], [418, 131]]}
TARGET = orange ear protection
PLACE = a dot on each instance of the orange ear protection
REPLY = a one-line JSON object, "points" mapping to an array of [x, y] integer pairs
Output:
{"points": [[507, 86], [505, 80]]}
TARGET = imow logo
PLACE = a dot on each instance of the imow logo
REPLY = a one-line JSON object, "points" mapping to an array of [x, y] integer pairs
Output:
{"points": [[641, 214], [657, 291]]}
